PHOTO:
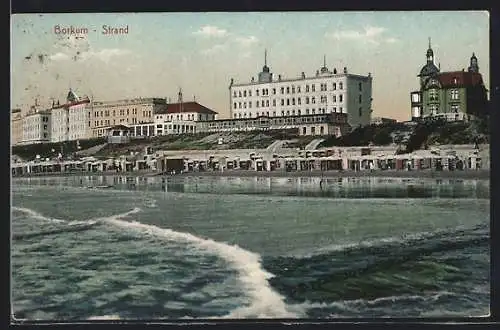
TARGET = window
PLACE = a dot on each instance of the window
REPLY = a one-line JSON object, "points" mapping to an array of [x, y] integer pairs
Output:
{"points": [[244, 93], [239, 106], [293, 101], [359, 98], [298, 101], [313, 87], [288, 90], [282, 90], [263, 92], [360, 86], [304, 130], [274, 91], [287, 101], [263, 103], [298, 89], [288, 112], [307, 88], [250, 93], [341, 85], [239, 93], [274, 113], [334, 109], [244, 105], [307, 99], [282, 102], [334, 98], [257, 92], [454, 94], [293, 89], [360, 112], [234, 94], [234, 105], [256, 104], [128, 112], [313, 100], [334, 86], [274, 103], [455, 108], [267, 103], [250, 104], [340, 98], [433, 95]]}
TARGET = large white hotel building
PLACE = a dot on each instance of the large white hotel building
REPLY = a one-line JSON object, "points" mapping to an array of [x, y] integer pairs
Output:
{"points": [[324, 93]]}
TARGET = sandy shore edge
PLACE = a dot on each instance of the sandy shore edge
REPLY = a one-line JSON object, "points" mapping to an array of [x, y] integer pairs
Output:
{"points": [[470, 174]]}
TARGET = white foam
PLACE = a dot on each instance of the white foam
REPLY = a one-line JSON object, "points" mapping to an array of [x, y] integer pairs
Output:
{"points": [[105, 317], [36, 215], [265, 302]]}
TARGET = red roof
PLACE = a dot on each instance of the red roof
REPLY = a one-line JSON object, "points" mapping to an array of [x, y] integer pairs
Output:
{"points": [[460, 79], [187, 107]]}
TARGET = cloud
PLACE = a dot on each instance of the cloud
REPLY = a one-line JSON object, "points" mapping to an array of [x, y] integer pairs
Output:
{"points": [[370, 34], [104, 55], [246, 41], [211, 31], [59, 57], [215, 49]]}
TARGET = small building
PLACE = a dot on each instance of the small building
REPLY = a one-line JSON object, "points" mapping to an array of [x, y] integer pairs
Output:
{"points": [[118, 134]]}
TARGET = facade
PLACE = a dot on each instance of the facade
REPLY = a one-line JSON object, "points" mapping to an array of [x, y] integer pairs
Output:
{"points": [[175, 118], [319, 124], [455, 95], [36, 127], [16, 127], [69, 121], [325, 93], [123, 112]]}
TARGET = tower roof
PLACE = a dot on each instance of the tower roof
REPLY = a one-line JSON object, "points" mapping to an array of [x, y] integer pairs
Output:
{"points": [[72, 97]]}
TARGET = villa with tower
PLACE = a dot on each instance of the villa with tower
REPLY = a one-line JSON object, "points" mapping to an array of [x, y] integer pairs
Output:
{"points": [[453, 95]]}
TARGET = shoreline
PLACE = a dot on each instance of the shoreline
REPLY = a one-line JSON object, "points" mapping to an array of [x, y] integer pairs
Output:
{"points": [[468, 175]]}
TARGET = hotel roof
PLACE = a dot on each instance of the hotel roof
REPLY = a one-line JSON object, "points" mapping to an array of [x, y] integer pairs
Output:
{"points": [[186, 107]]}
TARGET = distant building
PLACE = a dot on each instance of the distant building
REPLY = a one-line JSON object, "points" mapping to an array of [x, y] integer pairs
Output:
{"points": [[455, 95], [118, 134], [36, 127], [382, 120], [325, 93], [70, 121], [16, 127], [321, 125], [125, 112], [176, 118]]}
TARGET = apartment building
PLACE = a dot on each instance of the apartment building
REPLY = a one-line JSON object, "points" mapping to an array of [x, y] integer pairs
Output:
{"points": [[123, 112], [36, 127], [16, 127], [326, 92]]}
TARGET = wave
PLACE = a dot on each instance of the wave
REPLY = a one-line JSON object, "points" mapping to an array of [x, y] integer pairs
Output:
{"points": [[385, 267], [36, 215], [265, 302], [104, 317]]}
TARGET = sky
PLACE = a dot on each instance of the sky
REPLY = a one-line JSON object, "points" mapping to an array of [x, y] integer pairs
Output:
{"points": [[201, 52]]}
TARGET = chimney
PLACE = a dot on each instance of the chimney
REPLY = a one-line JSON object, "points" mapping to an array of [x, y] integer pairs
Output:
{"points": [[303, 75], [279, 77]]}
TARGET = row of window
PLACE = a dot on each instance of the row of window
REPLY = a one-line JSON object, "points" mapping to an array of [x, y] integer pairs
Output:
{"points": [[180, 117], [289, 102], [274, 121], [434, 108], [105, 113], [434, 95], [290, 89], [286, 113]]}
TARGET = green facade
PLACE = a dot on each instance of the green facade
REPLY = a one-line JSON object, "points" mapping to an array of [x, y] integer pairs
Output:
{"points": [[444, 100]]}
